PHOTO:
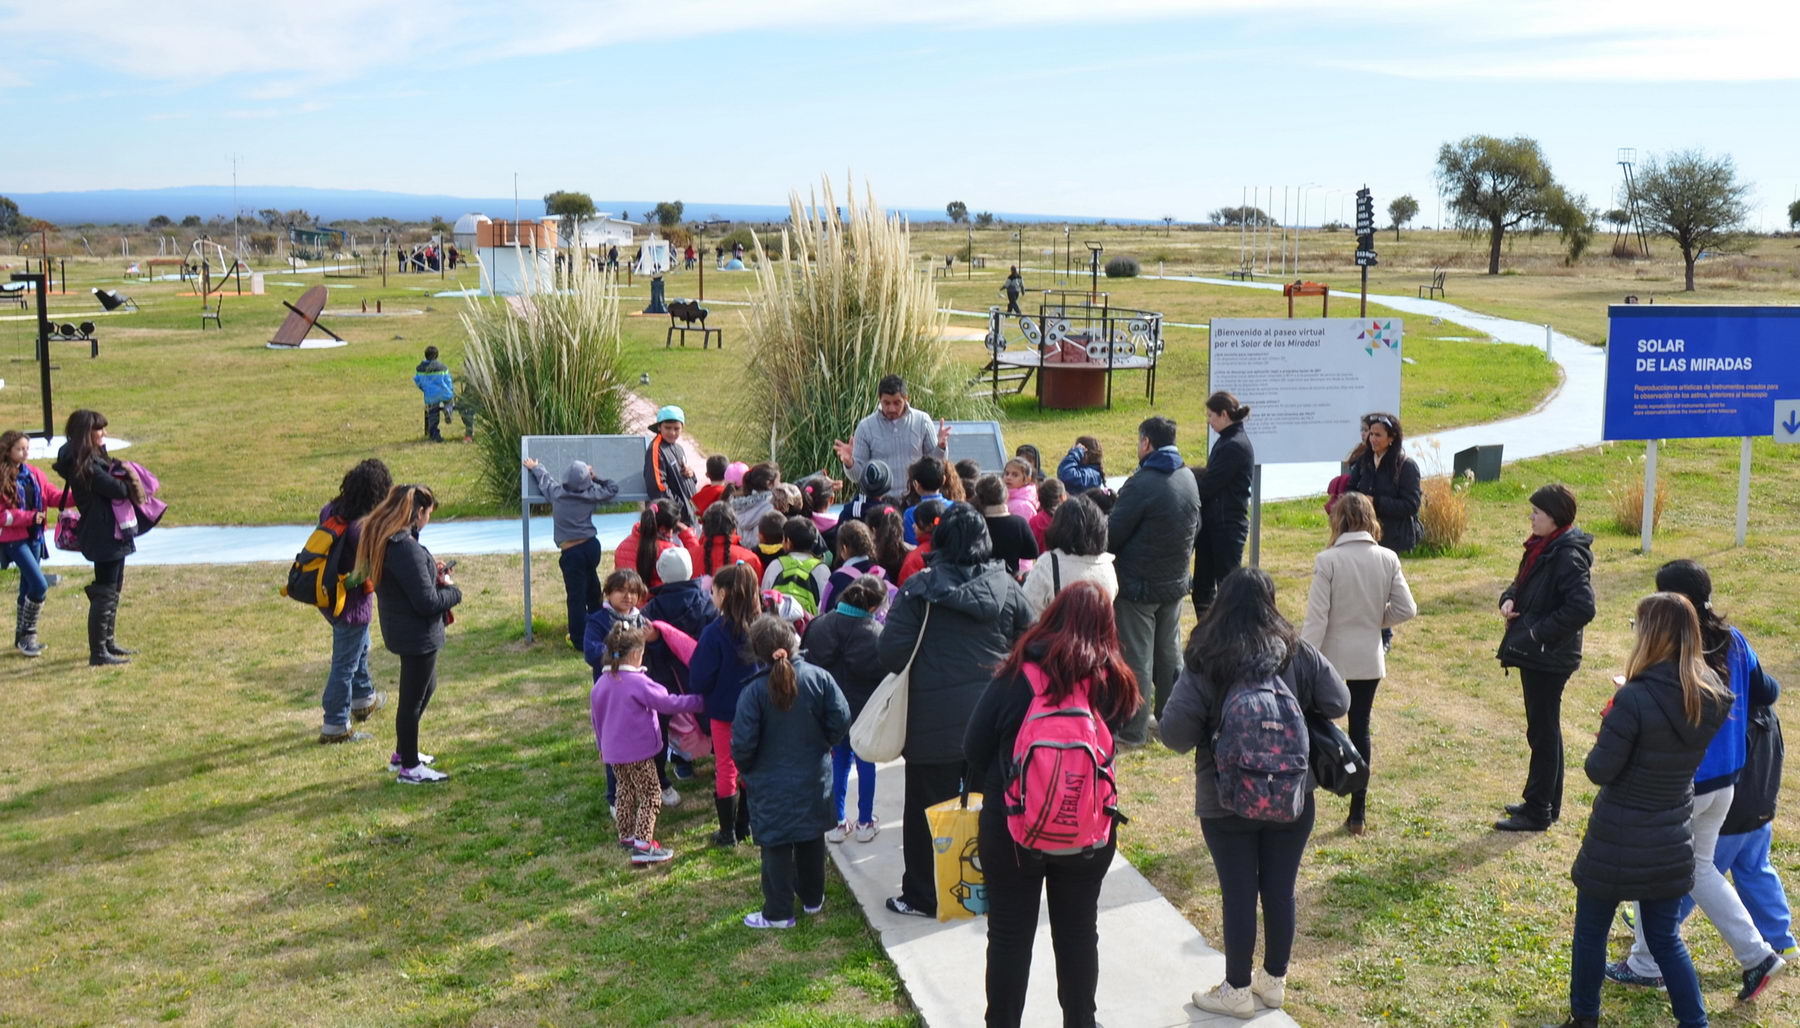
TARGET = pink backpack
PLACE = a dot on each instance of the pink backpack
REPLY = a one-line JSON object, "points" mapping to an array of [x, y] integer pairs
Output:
{"points": [[1060, 795]]}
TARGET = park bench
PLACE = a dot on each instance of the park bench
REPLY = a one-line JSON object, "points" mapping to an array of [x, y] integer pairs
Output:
{"points": [[13, 292], [1435, 287], [1242, 274], [213, 313]]}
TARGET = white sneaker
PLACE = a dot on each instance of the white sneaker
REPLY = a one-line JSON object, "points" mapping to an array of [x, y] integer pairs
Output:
{"points": [[1223, 999], [421, 775], [394, 760], [1268, 988], [839, 832], [866, 831], [671, 798], [612, 811]]}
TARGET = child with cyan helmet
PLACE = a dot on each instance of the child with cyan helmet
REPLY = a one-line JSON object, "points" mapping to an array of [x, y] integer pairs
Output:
{"points": [[666, 471]]}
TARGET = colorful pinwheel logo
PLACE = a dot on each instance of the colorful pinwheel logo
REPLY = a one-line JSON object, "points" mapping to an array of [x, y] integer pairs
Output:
{"points": [[1380, 333]]}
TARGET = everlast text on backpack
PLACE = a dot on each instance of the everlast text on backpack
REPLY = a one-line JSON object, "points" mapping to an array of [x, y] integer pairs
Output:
{"points": [[1061, 798], [317, 576], [1261, 748]]}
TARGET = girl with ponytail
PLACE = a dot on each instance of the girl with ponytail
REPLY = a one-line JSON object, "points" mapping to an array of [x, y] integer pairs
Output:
{"points": [[659, 527], [788, 719], [624, 706]]}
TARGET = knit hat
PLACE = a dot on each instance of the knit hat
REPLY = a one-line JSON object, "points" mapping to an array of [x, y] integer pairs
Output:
{"points": [[674, 565], [1557, 501], [671, 413], [734, 472], [877, 479]]}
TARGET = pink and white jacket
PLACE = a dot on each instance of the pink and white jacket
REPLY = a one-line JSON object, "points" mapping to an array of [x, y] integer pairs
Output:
{"points": [[16, 521]]}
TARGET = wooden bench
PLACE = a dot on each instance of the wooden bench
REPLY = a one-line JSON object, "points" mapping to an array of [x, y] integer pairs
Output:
{"points": [[1435, 287]]}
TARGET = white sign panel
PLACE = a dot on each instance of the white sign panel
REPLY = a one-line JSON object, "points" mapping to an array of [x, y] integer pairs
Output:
{"points": [[1307, 381]]}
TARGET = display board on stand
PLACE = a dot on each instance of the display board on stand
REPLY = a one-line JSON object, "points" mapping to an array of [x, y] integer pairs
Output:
{"points": [[619, 458], [979, 441]]}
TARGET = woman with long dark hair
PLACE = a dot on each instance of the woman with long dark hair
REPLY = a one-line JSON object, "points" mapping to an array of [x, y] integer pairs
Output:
{"points": [[1075, 551], [965, 613], [1640, 842], [1074, 650], [1381, 470], [25, 495], [415, 595], [1224, 498], [658, 528], [94, 481], [349, 691], [1243, 640]]}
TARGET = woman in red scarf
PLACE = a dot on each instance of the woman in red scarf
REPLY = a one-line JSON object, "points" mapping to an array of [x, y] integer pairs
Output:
{"points": [[1546, 606]]}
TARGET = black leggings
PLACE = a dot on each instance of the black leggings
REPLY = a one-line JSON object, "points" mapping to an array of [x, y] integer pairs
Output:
{"points": [[1543, 733], [1362, 702], [1257, 859], [794, 867], [110, 574], [1015, 880], [418, 680]]}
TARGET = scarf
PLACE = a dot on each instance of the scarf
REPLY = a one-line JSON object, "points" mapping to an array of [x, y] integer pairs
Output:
{"points": [[850, 610], [1534, 548]]}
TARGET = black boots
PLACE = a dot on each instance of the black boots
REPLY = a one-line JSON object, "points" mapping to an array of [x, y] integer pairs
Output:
{"points": [[1525, 817], [25, 637], [103, 610], [1577, 1022], [727, 807]]}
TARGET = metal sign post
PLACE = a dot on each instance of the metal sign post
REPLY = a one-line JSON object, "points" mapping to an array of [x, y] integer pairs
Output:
{"points": [[1256, 515], [1365, 241], [1648, 513]]}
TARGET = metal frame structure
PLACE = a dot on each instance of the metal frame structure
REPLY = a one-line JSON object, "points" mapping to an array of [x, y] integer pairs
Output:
{"points": [[1116, 338]]}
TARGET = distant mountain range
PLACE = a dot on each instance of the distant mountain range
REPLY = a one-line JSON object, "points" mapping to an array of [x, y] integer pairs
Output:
{"points": [[135, 206]]}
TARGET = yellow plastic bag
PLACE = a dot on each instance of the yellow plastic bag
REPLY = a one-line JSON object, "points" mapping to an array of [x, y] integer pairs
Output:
{"points": [[956, 853]]}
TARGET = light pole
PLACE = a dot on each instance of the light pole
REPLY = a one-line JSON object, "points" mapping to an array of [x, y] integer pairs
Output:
{"points": [[1300, 222]]}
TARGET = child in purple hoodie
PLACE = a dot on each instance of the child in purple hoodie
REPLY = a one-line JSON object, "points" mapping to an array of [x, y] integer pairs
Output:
{"points": [[624, 706]]}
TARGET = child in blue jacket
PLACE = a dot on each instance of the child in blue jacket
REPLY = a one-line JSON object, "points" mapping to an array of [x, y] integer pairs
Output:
{"points": [[432, 376]]}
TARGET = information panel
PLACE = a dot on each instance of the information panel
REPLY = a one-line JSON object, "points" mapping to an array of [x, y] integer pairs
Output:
{"points": [[1308, 381], [1699, 372]]}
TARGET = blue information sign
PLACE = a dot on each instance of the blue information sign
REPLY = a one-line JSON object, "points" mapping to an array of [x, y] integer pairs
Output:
{"points": [[1699, 372]]}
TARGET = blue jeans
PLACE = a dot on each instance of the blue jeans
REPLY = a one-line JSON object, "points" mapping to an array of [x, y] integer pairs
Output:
{"points": [[581, 581], [841, 756], [33, 585], [349, 678], [1745, 857], [1662, 931]]}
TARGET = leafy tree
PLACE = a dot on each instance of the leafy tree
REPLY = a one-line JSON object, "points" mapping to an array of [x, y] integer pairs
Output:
{"points": [[668, 214], [1503, 183], [984, 219], [191, 221], [160, 221], [571, 207], [1402, 209], [1232, 217], [1793, 214], [1694, 199], [438, 225], [269, 215], [1578, 223], [958, 211], [10, 221]]}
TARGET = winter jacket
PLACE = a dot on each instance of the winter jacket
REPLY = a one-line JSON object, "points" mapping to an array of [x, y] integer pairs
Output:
{"points": [[1192, 713], [785, 755], [707, 496], [433, 379], [625, 556], [722, 664], [1759, 786], [572, 501], [359, 600], [1023, 501], [1152, 527], [623, 707], [1015, 287], [666, 474], [899, 442], [1077, 477], [719, 551], [93, 497], [1041, 587], [1225, 483], [1013, 543], [750, 508], [914, 562], [1394, 492], [1040, 528], [18, 519], [682, 604], [1724, 758], [1639, 843], [1554, 603], [1357, 590], [848, 646], [599, 626], [412, 604], [977, 613]]}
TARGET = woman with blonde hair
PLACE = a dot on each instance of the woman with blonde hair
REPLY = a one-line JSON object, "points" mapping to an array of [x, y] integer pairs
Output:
{"points": [[1640, 842], [1357, 590], [414, 593]]}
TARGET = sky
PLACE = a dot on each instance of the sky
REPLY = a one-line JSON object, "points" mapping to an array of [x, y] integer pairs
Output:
{"points": [[1110, 108]]}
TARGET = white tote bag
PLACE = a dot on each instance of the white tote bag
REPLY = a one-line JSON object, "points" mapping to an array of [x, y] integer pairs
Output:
{"points": [[879, 733]]}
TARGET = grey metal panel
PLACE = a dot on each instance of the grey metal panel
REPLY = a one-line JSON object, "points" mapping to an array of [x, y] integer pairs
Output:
{"points": [[618, 457], [980, 441]]}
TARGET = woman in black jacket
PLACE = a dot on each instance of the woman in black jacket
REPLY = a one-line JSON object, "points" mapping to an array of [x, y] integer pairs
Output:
{"points": [[94, 481], [1224, 498], [976, 612], [1548, 603], [1075, 648], [1639, 844], [415, 595], [1381, 470]]}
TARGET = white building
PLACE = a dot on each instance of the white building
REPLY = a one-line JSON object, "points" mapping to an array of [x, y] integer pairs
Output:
{"points": [[604, 231], [517, 258]]}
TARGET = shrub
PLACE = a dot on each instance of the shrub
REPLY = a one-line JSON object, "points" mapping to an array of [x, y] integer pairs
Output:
{"points": [[1122, 267], [1444, 510], [547, 364], [1627, 496], [825, 327]]}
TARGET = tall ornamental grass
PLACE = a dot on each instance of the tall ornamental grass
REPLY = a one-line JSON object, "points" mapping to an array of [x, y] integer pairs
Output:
{"points": [[543, 364], [845, 309]]}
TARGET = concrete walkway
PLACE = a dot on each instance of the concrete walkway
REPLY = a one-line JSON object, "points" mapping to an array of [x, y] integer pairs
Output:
{"points": [[1151, 958]]}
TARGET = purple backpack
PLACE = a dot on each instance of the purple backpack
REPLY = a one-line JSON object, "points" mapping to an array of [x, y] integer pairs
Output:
{"points": [[1260, 749]]}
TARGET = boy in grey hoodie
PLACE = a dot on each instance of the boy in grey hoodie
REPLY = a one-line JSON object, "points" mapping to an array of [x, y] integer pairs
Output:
{"points": [[572, 503]]}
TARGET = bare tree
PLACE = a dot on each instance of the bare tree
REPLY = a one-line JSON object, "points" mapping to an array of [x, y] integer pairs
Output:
{"points": [[1694, 199]]}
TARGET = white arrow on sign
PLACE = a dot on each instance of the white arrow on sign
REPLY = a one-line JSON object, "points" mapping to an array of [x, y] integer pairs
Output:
{"points": [[1787, 421]]}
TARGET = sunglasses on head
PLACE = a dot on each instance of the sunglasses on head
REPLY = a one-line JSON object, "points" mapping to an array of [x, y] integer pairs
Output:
{"points": [[1378, 419]]}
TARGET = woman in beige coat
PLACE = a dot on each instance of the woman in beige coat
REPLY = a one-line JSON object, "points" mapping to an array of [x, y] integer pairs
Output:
{"points": [[1357, 590]]}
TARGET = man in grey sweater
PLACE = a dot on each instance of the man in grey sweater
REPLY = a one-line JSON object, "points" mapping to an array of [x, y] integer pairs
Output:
{"points": [[895, 433]]}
